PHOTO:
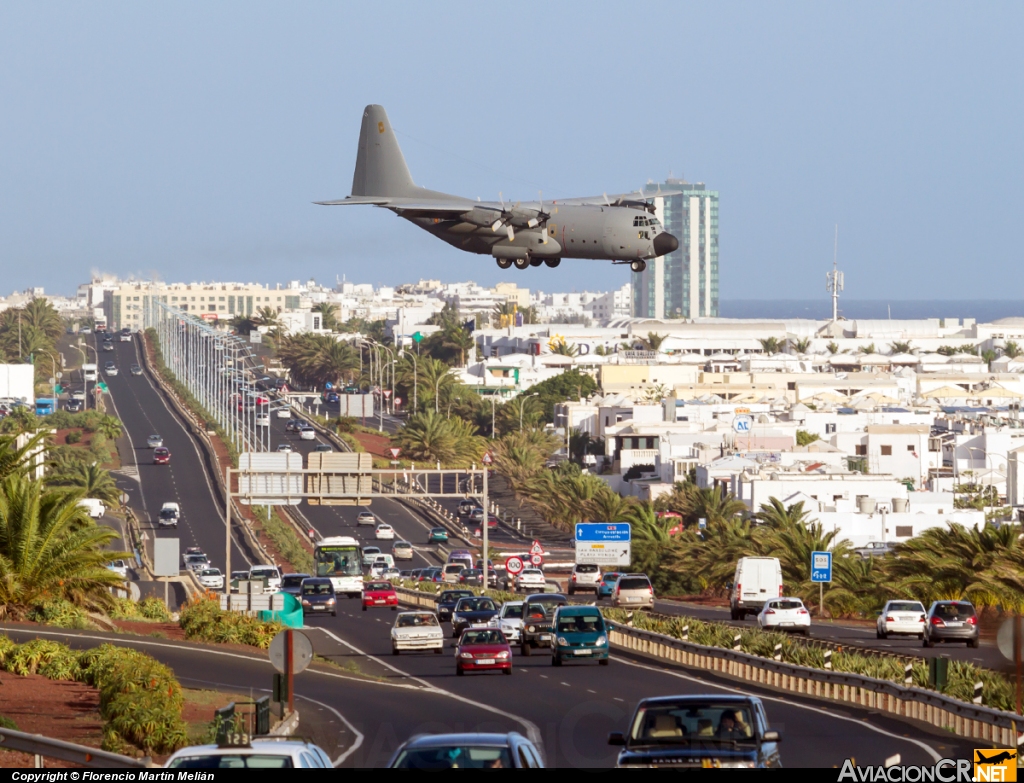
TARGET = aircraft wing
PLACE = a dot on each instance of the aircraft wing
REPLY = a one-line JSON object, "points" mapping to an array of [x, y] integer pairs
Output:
{"points": [[606, 199], [439, 206]]}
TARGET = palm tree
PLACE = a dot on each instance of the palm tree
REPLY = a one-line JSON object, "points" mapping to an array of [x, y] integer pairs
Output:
{"points": [[653, 341], [801, 346], [946, 350], [866, 349], [268, 316], [832, 347], [561, 348], [435, 380], [1011, 350], [457, 340], [51, 549], [110, 427], [776, 515], [579, 442], [94, 481], [714, 504], [989, 355], [771, 345], [431, 437], [21, 461], [328, 315], [523, 409], [40, 314], [898, 346]]}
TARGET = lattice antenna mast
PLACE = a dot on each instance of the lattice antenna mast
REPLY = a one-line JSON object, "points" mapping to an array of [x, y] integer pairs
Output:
{"points": [[834, 279]]}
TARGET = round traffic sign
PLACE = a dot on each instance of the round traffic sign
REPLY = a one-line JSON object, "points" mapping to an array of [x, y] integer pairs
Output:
{"points": [[302, 651], [536, 559], [514, 565]]}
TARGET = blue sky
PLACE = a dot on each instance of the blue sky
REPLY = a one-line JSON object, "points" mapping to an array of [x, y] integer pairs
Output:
{"points": [[188, 140]]}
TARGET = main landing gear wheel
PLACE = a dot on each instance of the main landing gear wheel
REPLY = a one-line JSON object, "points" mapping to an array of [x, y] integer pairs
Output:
{"points": [[638, 266], [504, 263], [536, 261], [552, 262], [521, 263]]}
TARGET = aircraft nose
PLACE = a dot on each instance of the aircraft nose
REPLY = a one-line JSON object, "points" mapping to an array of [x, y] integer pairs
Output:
{"points": [[665, 243]]}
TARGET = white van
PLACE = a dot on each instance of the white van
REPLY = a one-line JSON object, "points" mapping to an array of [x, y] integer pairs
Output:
{"points": [[757, 579], [95, 507]]}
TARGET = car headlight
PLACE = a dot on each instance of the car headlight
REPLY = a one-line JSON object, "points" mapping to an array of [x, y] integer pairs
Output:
{"points": [[502, 655], [465, 655], [532, 629], [601, 641], [330, 601], [562, 642], [305, 602]]}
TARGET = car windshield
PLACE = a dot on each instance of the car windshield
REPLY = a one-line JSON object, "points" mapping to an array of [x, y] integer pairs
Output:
{"points": [[609, 577], [317, 588], [476, 605], [634, 583], [453, 568], [515, 611], [708, 721], [377, 586], [452, 596], [371, 550], [210, 572], [538, 611], [583, 623], [439, 531], [254, 761], [168, 512], [482, 637], [454, 757], [293, 581], [338, 561], [953, 611], [906, 606], [413, 620], [586, 568], [267, 573]]}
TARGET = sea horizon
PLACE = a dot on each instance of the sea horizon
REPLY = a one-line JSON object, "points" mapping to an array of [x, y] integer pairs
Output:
{"points": [[982, 310]]}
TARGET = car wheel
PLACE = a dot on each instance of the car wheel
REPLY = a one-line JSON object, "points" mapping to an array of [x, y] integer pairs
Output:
{"points": [[571, 591], [603, 661], [458, 671], [973, 643], [507, 671], [925, 641], [395, 651], [556, 660], [920, 636], [733, 614], [334, 614], [394, 608], [438, 650], [525, 649], [364, 607]]}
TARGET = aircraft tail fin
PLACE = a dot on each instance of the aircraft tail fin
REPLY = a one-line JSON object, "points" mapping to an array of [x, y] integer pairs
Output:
{"points": [[380, 165]]}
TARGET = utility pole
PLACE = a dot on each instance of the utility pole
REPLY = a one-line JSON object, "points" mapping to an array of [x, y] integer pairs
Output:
{"points": [[834, 279]]}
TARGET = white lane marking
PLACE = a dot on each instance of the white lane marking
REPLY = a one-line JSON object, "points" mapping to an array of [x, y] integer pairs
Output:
{"points": [[859, 721], [353, 729], [567, 685], [531, 728], [617, 698], [590, 691]]}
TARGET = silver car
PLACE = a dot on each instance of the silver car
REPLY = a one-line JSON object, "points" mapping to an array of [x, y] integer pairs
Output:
{"points": [[154, 441], [633, 590]]}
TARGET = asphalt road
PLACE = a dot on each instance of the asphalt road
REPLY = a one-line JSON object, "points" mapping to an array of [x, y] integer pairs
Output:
{"points": [[568, 711], [141, 409]]}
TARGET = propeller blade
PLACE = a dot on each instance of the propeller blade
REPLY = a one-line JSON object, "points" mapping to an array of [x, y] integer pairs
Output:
{"points": [[532, 223], [607, 203], [511, 233], [496, 225], [502, 200]]}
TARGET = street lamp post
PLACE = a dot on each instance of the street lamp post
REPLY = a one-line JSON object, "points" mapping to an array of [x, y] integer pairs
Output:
{"points": [[522, 407], [415, 379]]}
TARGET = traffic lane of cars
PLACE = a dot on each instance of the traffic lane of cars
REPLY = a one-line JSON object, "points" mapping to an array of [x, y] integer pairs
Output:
{"points": [[577, 705], [341, 520], [839, 633], [383, 716], [183, 480]]}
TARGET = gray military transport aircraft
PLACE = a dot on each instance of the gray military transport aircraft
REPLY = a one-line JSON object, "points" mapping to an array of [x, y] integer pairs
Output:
{"points": [[622, 229]]}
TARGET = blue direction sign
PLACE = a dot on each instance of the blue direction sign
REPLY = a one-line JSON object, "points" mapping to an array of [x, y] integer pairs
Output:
{"points": [[821, 566], [602, 531]]}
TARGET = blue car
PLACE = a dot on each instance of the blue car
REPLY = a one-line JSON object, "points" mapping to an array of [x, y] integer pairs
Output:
{"points": [[607, 586], [580, 635], [331, 397]]}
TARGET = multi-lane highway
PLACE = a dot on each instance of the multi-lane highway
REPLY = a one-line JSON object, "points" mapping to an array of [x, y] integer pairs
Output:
{"points": [[142, 410]]}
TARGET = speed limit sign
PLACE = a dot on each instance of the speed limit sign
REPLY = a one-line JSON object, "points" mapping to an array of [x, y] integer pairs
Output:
{"points": [[514, 565], [536, 559]]}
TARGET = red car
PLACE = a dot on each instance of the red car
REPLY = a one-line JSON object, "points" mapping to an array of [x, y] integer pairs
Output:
{"points": [[483, 650], [379, 594], [161, 456]]}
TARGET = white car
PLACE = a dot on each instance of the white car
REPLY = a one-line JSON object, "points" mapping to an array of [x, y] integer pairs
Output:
{"points": [[211, 578], [285, 448], [271, 573], [584, 576], [154, 442], [417, 631], [119, 567], [110, 371], [126, 337], [402, 550], [370, 555], [785, 614], [262, 420], [78, 395], [391, 573], [901, 617], [531, 580], [307, 433], [170, 513], [366, 518], [283, 413], [510, 621], [265, 753], [384, 532]]}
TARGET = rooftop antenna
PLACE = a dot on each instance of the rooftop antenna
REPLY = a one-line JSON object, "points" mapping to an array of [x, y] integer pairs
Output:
{"points": [[834, 279]]}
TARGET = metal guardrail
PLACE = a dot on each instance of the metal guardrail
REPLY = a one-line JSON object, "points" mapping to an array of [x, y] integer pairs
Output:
{"points": [[961, 718], [38, 745]]}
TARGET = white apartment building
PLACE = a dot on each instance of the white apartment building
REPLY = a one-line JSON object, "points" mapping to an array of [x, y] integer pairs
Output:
{"points": [[123, 304]]}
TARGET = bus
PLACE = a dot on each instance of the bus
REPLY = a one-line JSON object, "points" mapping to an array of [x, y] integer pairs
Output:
{"points": [[341, 559]]}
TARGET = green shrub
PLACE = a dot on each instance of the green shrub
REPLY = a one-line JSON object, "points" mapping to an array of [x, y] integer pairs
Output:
{"points": [[61, 613], [148, 609], [74, 436], [41, 656], [7, 723], [202, 619], [286, 540]]}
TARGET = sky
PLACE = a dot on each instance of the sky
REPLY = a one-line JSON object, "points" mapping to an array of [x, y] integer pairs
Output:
{"points": [[187, 141]]}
